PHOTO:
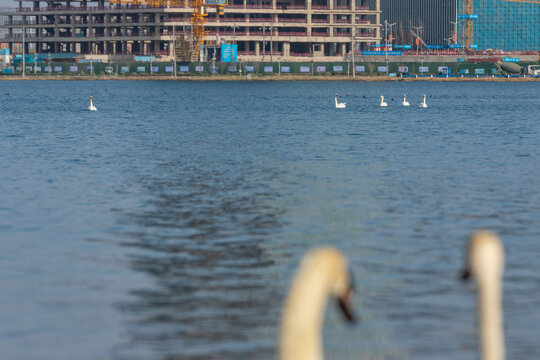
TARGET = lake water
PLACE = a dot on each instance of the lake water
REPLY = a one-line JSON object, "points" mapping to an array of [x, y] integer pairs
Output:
{"points": [[168, 224]]}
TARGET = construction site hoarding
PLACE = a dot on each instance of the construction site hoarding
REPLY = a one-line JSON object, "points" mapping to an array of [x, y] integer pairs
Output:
{"points": [[316, 69]]}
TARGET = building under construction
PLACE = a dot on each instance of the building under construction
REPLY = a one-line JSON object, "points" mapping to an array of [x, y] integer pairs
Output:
{"points": [[479, 24], [263, 30]]}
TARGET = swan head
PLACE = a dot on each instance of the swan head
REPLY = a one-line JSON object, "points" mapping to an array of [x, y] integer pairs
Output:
{"points": [[323, 273], [485, 257], [90, 98], [341, 280], [328, 270]]}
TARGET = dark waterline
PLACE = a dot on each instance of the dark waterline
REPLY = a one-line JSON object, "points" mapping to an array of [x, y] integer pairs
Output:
{"points": [[167, 225]]}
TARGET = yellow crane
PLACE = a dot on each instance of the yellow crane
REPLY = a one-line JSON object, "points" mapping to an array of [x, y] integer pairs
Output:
{"points": [[467, 25], [198, 17]]}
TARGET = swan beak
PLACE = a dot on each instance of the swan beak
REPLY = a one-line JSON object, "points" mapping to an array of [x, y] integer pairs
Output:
{"points": [[345, 302], [465, 275], [345, 305]]}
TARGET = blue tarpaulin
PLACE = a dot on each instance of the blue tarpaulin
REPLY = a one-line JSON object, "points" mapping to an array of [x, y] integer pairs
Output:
{"points": [[52, 56], [467, 16], [390, 53], [145, 58], [27, 59], [229, 52]]}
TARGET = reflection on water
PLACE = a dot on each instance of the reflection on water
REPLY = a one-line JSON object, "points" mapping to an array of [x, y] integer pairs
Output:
{"points": [[202, 237]]}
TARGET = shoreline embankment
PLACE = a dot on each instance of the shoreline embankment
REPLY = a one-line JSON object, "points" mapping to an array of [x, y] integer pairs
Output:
{"points": [[269, 78]]}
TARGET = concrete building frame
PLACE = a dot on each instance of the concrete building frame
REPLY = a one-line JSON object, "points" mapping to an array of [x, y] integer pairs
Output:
{"points": [[264, 30]]}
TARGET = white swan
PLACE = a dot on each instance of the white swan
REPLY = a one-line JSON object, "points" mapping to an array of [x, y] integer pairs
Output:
{"points": [[382, 101], [405, 102], [322, 272], [423, 103], [485, 263], [92, 107], [339, 105]]}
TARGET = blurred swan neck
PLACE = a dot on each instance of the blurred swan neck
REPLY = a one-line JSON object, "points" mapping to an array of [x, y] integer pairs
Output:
{"points": [[322, 272], [490, 318], [302, 319]]}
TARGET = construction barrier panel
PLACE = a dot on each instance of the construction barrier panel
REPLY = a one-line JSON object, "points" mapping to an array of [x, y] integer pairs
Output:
{"points": [[257, 69]]}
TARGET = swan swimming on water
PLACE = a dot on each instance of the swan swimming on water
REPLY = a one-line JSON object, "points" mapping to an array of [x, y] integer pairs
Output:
{"points": [[323, 272], [339, 105], [382, 101], [423, 103], [485, 264], [405, 102], [92, 107]]}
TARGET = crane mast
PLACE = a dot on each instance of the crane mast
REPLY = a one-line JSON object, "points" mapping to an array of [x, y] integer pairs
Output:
{"points": [[467, 25]]}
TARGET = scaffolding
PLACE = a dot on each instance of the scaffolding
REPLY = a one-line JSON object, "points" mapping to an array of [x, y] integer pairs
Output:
{"points": [[511, 25], [184, 50], [503, 24]]}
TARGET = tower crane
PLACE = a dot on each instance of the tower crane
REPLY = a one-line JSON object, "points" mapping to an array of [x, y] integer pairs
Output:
{"points": [[467, 25], [198, 17]]}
